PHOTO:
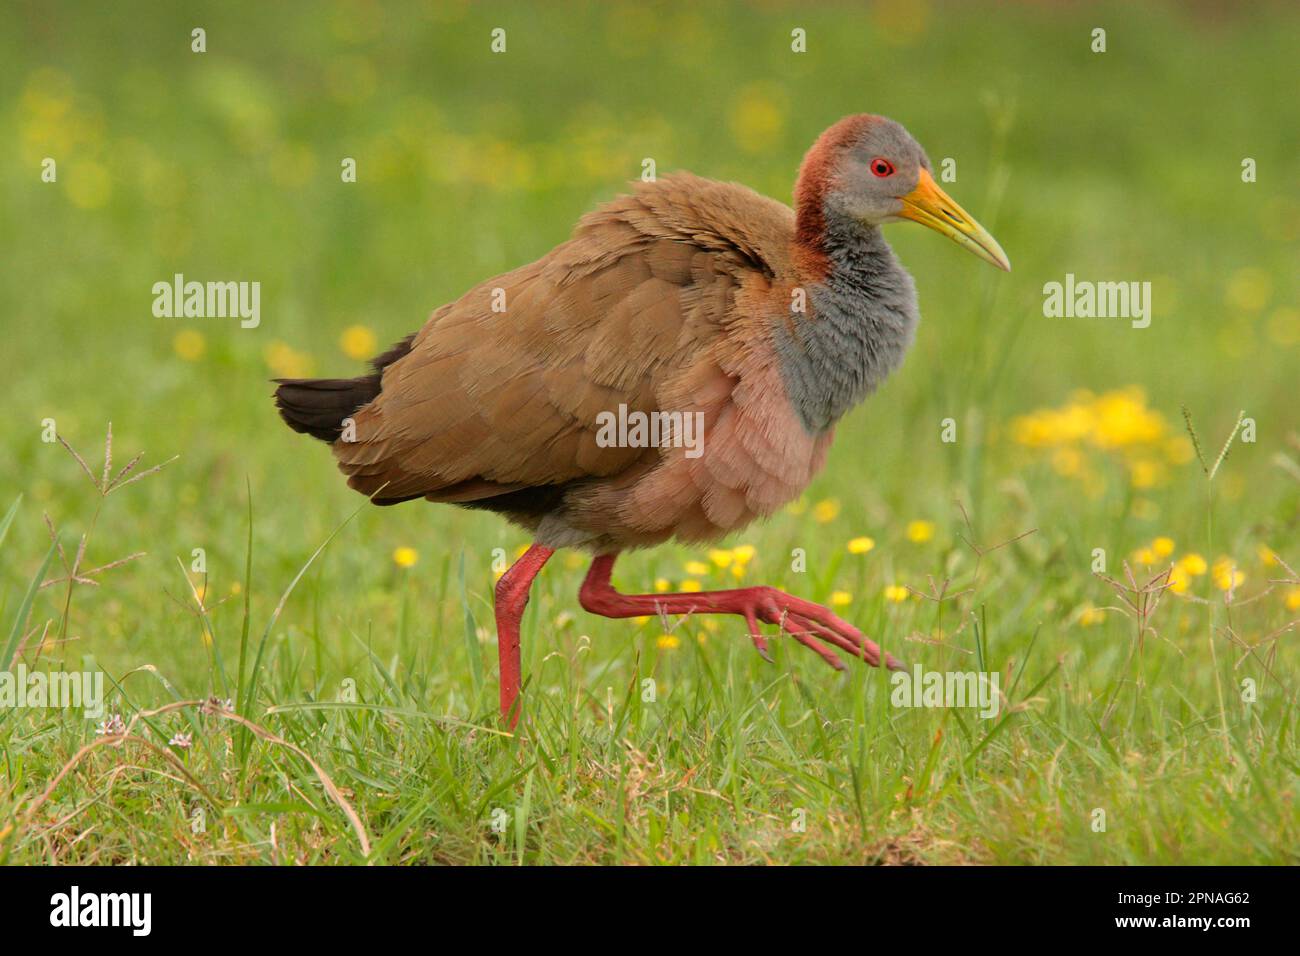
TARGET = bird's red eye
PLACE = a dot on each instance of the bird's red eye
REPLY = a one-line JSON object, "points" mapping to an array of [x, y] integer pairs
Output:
{"points": [[882, 167]]}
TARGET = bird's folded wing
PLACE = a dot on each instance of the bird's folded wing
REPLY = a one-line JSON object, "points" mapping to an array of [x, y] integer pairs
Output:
{"points": [[503, 388]]}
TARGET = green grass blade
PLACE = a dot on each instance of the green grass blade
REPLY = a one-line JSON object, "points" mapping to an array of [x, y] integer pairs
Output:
{"points": [[8, 519], [25, 609], [472, 649]]}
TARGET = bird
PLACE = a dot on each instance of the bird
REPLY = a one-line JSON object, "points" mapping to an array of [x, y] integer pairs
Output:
{"points": [[684, 301]]}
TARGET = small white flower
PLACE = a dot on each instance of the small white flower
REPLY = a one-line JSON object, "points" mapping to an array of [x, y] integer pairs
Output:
{"points": [[112, 727], [180, 740]]}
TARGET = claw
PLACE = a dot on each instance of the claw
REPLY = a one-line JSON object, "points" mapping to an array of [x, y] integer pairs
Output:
{"points": [[812, 625], [760, 642]]}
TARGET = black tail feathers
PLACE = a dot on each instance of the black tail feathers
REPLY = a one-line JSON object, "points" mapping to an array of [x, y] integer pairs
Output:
{"points": [[319, 406]]}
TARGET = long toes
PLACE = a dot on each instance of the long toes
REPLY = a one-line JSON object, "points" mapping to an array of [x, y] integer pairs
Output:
{"points": [[846, 637], [832, 621], [794, 614], [849, 643], [822, 615], [760, 642], [828, 655]]}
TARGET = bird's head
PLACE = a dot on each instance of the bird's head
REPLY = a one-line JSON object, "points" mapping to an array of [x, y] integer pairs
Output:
{"points": [[869, 170]]}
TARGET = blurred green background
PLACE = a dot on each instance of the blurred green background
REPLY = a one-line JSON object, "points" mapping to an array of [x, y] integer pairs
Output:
{"points": [[225, 165]]}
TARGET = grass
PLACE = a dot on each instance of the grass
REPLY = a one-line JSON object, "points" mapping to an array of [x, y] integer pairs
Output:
{"points": [[340, 705]]}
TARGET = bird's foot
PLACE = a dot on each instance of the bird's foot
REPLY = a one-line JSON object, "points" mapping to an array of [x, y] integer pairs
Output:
{"points": [[810, 624]]}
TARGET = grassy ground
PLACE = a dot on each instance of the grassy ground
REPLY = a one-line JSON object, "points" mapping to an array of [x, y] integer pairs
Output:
{"points": [[362, 699]]}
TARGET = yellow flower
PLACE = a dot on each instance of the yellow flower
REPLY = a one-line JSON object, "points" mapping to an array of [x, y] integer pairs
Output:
{"points": [[743, 553], [841, 598], [662, 585], [668, 642], [358, 342], [737, 570], [1115, 420], [797, 507], [287, 362], [1179, 579], [189, 345], [1225, 574], [690, 586], [826, 510], [1193, 564], [721, 557], [861, 545], [643, 619], [697, 568], [235, 587], [405, 557], [1293, 599], [1163, 547], [1267, 556], [897, 593], [920, 531], [1145, 556], [1090, 615], [1123, 419], [1145, 472]]}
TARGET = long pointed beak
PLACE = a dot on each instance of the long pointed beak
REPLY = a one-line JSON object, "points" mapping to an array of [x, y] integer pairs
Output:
{"points": [[931, 206]]}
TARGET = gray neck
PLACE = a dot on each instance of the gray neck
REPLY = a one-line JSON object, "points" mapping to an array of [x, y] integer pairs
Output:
{"points": [[861, 320]]}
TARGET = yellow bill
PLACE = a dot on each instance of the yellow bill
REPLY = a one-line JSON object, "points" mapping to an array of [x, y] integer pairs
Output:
{"points": [[931, 206]]}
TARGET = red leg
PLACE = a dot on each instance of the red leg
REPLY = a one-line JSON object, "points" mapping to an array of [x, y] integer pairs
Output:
{"points": [[511, 599], [809, 624]]}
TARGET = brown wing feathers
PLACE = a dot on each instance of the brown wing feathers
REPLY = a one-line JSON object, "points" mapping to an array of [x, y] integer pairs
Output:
{"points": [[483, 404]]}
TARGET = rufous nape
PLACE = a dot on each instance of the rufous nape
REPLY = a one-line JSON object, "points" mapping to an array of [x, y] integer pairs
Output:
{"points": [[689, 300]]}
